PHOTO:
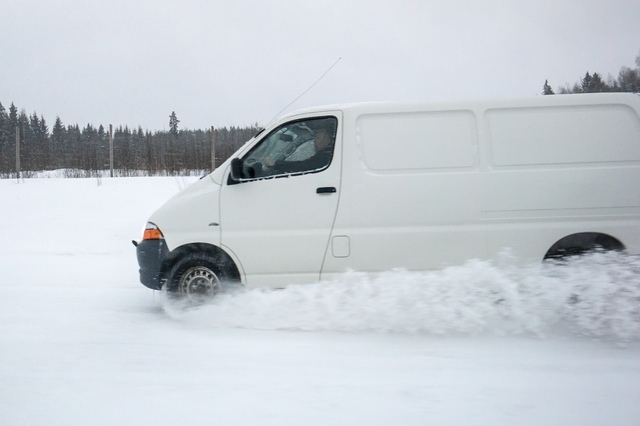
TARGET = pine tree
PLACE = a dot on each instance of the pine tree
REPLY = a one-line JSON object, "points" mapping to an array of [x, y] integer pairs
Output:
{"points": [[89, 148], [12, 126], [26, 140], [59, 144], [4, 118], [13, 117], [4, 139], [40, 142], [4, 125], [173, 124], [597, 85], [73, 153], [172, 148], [46, 143], [586, 83], [546, 89]]}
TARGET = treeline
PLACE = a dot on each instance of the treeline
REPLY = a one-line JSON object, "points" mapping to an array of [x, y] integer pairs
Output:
{"points": [[84, 151], [628, 81]]}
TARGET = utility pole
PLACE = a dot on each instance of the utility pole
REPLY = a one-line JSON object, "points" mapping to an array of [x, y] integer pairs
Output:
{"points": [[111, 150], [213, 150]]}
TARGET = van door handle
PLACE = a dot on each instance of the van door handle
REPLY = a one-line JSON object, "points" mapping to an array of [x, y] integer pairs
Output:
{"points": [[326, 190]]}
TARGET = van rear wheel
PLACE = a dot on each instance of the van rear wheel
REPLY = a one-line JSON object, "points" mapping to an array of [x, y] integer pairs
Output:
{"points": [[195, 278], [582, 243]]}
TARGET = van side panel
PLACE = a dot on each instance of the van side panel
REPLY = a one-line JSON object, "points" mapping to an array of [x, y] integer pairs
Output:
{"points": [[559, 170], [409, 196], [426, 186], [575, 134], [418, 141]]}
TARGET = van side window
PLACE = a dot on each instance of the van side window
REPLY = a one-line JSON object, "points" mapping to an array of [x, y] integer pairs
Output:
{"points": [[298, 147]]}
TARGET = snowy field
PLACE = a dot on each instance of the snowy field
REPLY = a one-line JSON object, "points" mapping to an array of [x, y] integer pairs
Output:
{"points": [[83, 343]]}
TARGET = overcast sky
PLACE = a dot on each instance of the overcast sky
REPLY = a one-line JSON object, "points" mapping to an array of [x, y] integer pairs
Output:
{"points": [[238, 62]]}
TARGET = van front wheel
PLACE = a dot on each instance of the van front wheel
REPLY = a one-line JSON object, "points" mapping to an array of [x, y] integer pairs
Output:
{"points": [[196, 278]]}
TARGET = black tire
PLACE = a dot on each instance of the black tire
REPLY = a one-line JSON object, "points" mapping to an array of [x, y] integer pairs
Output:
{"points": [[196, 278]]}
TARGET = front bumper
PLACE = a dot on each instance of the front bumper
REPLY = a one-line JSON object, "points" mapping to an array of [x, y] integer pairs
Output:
{"points": [[151, 254]]}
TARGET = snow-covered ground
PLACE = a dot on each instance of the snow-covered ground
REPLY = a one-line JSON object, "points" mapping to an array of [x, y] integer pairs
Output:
{"points": [[83, 343]]}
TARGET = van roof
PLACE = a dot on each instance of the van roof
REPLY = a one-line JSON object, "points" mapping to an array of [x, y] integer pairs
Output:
{"points": [[483, 103]]}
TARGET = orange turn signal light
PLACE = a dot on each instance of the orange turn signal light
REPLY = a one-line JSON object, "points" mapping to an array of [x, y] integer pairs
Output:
{"points": [[151, 232]]}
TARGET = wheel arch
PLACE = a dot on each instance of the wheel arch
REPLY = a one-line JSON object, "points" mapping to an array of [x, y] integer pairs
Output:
{"points": [[583, 242], [227, 264]]}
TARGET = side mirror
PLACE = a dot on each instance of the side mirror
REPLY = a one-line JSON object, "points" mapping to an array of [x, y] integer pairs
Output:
{"points": [[236, 171]]}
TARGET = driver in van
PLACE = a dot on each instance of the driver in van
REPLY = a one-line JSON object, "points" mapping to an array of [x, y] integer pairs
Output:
{"points": [[323, 140]]}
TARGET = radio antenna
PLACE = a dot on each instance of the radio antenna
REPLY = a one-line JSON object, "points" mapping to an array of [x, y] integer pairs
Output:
{"points": [[309, 88]]}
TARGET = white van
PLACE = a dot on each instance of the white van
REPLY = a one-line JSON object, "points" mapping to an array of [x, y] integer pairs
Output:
{"points": [[375, 186]]}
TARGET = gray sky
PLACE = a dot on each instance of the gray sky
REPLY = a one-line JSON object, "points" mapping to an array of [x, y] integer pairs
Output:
{"points": [[237, 62]]}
